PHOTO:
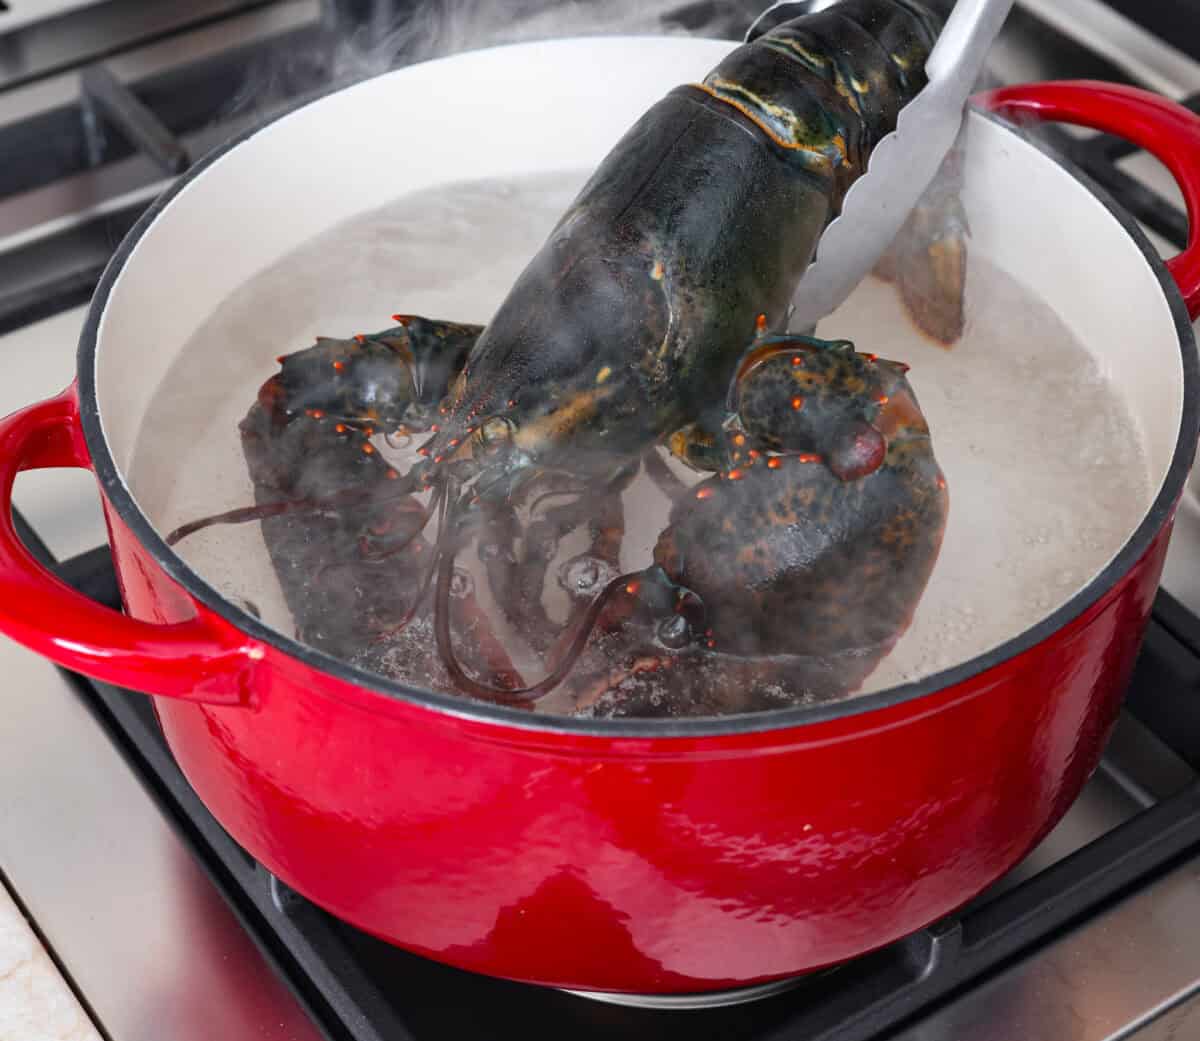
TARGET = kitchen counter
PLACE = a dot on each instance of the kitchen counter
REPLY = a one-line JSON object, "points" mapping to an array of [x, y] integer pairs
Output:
{"points": [[35, 1002], [82, 843]]}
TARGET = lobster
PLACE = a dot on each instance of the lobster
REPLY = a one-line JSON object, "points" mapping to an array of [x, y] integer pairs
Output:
{"points": [[652, 319]]}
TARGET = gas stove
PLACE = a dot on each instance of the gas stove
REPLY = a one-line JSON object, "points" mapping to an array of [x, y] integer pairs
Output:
{"points": [[166, 930]]}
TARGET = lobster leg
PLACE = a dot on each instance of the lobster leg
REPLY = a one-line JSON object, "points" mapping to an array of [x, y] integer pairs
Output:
{"points": [[668, 483], [583, 576]]}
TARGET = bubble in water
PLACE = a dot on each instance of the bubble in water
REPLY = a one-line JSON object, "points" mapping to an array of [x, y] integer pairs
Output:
{"points": [[462, 584], [488, 551], [584, 574], [674, 632]]}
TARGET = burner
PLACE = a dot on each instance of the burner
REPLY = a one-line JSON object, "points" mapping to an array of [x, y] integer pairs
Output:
{"points": [[689, 1002]]}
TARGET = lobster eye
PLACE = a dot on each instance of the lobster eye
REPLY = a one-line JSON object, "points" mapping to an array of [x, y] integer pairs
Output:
{"points": [[496, 432]]}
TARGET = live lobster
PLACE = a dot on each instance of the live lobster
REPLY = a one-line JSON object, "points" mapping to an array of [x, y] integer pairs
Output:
{"points": [[653, 317]]}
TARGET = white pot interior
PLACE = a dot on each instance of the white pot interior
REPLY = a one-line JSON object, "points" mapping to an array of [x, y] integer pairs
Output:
{"points": [[529, 109]]}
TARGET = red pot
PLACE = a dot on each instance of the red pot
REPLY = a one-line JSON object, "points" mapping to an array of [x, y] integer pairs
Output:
{"points": [[637, 856]]}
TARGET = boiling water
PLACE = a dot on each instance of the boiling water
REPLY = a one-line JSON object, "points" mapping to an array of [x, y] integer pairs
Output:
{"points": [[1046, 470]]}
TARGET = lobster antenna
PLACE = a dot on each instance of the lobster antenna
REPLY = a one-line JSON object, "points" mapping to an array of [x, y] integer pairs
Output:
{"points": [[436, 499], [405, 486], [430, 571], [523, 696], [663, 476], [555, 493]]}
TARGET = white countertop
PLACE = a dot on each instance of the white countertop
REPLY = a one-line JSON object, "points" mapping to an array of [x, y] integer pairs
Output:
{"points": [[35, 1002], [83, 844]]}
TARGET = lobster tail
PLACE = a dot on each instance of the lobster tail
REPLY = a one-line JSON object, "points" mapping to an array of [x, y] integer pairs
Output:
{"points": [[826, 87]]}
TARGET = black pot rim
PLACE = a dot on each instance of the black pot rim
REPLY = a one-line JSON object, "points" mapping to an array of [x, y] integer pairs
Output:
{"points": [[119, 496]]}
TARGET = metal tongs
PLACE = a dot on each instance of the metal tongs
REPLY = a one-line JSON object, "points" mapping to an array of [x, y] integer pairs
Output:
{"points": [[902, 165]]}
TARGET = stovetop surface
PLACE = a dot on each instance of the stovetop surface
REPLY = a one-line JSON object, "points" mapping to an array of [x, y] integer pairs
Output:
{"points": [[165, 927]]}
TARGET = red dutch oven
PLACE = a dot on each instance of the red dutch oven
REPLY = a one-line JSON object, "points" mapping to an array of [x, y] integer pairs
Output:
{"points": [[622, 856]]}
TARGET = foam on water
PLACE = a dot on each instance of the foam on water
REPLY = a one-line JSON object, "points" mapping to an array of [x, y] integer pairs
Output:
{"points": [[1046, 471]]}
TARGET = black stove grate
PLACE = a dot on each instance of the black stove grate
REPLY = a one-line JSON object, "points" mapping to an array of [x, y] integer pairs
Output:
{"points": [[209, 100], [112, 121]]}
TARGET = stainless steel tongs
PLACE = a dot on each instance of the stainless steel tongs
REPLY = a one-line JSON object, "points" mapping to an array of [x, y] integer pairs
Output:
{"points": [[902, 165]]}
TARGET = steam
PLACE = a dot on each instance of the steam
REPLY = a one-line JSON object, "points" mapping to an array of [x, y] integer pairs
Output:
{"points": [[366, 48], [359, 39]]}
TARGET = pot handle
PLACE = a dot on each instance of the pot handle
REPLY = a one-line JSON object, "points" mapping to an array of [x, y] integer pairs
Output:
{"points": [[1164, 128], [205, 659]]}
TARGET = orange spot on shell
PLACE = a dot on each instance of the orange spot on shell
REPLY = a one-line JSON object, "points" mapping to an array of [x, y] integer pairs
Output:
{"points": [[339, 365], [941, 482], [454, 442], [797, 360], [400, 319], [360, 338], [872, 357], [740, 439], [735, 475], [882, 399], [317, 413], [760, 323], [808, 457], [392, 475], [281, 358], [437, 458], [422, 451], [797, 404], [704, 493], [773, 463], [712, 644], [340, 428], [632, 588], [369, 448]]}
